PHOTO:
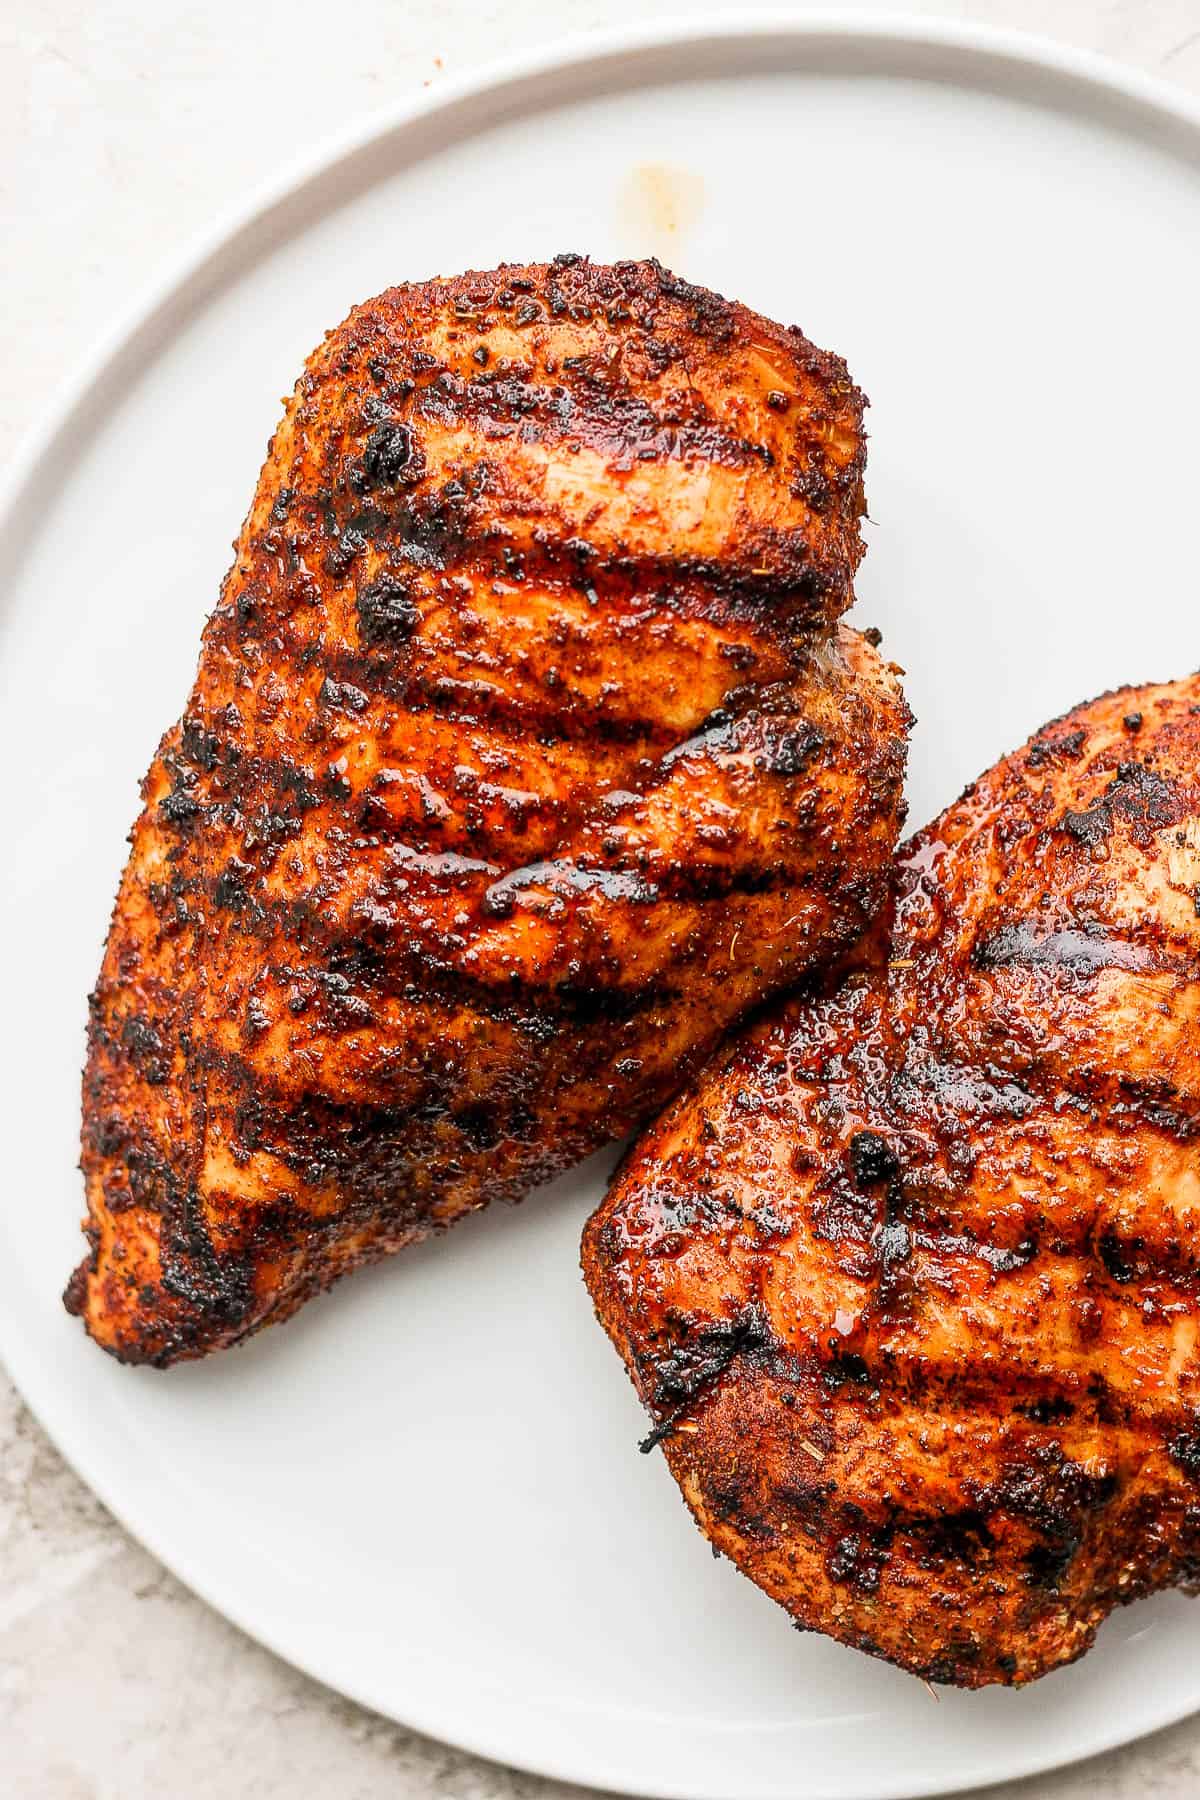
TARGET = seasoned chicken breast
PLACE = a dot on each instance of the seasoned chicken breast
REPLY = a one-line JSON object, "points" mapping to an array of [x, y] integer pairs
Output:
{"points": [[910, 1279], [525, 754]]}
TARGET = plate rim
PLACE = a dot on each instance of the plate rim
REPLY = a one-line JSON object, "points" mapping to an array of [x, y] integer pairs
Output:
{"points": [[228, 244]]}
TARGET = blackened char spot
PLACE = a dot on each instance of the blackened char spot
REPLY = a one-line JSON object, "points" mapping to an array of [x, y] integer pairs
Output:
{"points": [[230, 889], [1157, 1100], [341, 696], [872, 1159], [1184, 1451], [848, 1366], [199, 745], [1046, 1564], [481, 1124], [1049, 749], [1137, 794], [695, 1362], [962, 1536], [216, 1287], [856, 1563], [1054, 1409], [789, 750], [179, 807], [387, 613], [146, 1050], [1091, 827], [392, 455], [1117, 1255]]}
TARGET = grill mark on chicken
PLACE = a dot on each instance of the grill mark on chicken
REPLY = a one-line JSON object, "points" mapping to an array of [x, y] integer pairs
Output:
{"points": [[1082, 952], [779, 744], [372, 927], [469, 700], [371, 687], [594, 413], [525, 753], [982, 1292]]}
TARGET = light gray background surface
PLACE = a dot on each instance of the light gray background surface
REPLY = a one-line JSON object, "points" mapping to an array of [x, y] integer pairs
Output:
{"points": [[126, 127]]}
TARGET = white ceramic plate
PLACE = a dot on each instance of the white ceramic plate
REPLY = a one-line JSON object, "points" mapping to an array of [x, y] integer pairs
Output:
{"points": [[426, 1491]]}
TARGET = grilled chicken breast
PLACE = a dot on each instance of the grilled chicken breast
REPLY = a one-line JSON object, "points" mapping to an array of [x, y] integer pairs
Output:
{"points": [[910, 1280], [525, 754]]}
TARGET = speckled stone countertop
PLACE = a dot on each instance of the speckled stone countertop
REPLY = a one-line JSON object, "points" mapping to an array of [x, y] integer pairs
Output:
{"points": [[125, 128]]}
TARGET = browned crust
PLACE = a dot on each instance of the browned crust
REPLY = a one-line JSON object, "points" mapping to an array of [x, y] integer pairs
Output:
{"points": [[909, 1281], [524, 755]]}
